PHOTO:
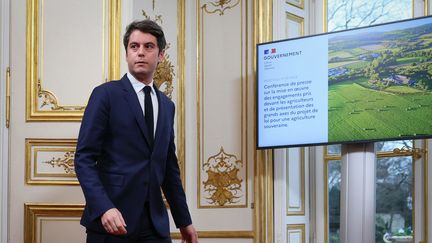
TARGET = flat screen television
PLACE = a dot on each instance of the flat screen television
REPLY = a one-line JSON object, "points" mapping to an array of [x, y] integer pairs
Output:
{"points": [[359, 85]]}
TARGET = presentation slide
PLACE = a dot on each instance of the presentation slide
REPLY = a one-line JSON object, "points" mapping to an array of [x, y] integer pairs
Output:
{"points": [[293, 101], [365, 84]]}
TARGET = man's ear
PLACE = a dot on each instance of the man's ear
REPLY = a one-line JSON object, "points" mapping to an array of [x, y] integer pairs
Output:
{"points": [[161, 55]]}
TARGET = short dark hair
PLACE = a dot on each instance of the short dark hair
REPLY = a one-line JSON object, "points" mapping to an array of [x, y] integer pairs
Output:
{"points": [[145, 26]]}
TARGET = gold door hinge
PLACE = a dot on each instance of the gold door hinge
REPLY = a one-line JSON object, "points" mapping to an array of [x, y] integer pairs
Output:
{"points": [[7, 97]]}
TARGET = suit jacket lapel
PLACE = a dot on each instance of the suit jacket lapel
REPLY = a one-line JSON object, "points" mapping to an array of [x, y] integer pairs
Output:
{"points": [[132, 100]]}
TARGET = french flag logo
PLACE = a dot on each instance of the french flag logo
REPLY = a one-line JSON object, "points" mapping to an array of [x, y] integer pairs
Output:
{"points": [[270, 51]]}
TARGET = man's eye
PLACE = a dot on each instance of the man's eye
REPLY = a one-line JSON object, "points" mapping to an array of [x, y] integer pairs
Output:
{"points": [[149, 46]]}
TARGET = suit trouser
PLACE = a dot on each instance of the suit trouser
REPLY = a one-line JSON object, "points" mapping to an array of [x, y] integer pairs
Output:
{"points": [[147, 234]]}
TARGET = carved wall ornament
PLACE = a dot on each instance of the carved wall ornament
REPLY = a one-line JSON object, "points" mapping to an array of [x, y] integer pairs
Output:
{"points": [[223, 183], [220, 6], [164, 75], [156, 18], [49, 100], [50, 161], [67, 162], [43, 99]]}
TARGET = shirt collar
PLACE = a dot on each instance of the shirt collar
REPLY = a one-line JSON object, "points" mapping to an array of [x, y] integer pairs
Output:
{"points": [[137, 85]]}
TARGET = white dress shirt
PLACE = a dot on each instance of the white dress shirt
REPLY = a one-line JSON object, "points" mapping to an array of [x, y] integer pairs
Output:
{"points": [[139, 90]]}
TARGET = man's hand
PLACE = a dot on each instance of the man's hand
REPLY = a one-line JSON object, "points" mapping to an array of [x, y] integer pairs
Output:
{"points": [[113, 222], [189, 234]]}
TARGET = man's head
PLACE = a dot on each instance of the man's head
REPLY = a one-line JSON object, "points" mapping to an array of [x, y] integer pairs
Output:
{"points": [[144, 42], [146, 26]]}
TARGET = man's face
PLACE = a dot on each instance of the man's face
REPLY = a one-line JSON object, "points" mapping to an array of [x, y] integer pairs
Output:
{"points": [[142, 55]]}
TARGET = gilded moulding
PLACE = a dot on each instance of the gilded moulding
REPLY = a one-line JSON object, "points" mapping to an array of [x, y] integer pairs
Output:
{"points": [[296, 230], [202, 54], [298, 210], [220, 6], [42, 104], [66, 162], [114, 38], [223, 185], [49, 101], [50, 161], [180, 104], [263, 159], [296, 3], [34, 212], [219, 235], [297, 19]]}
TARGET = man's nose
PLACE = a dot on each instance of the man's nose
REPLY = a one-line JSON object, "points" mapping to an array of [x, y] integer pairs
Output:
{"points": [[141, 51]]}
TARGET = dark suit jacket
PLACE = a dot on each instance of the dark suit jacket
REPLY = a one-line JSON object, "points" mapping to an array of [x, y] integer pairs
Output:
{"points": [[118, 167]]}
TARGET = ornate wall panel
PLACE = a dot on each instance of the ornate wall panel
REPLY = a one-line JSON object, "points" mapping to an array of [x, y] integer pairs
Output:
{"points": [[294, 25], [222, 94], [53, 223], [295, 182], [296, 233], [67, 56], [50, 161], [296, 3], [169, 75]]}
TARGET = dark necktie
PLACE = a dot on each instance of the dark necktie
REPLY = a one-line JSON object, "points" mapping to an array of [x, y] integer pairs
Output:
{"points": [[148, 111]]}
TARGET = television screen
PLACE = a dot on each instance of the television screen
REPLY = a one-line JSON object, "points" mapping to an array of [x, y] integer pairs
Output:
{"points": [[360, 85]]}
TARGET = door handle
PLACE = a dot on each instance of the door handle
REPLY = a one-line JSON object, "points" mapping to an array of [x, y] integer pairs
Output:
{"points": [[7, 97]]}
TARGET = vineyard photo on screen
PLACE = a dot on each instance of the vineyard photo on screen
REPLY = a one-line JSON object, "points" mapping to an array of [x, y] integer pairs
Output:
{"points": [[380, 82]]}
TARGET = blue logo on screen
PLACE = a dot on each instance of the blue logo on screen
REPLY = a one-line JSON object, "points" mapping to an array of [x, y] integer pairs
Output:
{"points": [[273, 51]]}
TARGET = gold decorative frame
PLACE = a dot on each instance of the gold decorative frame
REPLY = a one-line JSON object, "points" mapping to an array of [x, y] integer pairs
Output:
{"points": [[201, 10], [34, 85], [263, 159], [301, 212], [114, 38], [180, 104], [296, 3], [299, 228], [297, 19], [34, 211], [327, 158], [219, 235], [35, 146]]}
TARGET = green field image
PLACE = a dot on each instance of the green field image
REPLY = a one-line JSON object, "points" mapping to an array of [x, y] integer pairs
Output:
{"points": [[362, 113], [380, 84]]}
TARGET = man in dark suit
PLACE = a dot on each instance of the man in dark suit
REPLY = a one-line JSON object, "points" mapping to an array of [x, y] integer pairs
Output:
{"points": [[126, 152]]}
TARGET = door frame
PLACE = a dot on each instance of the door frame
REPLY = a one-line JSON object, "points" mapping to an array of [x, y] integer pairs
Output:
{"points": [[4, 131]]}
